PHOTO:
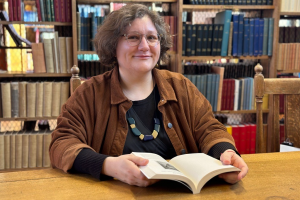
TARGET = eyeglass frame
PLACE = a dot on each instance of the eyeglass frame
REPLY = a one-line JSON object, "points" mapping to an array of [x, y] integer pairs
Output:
{"points": [[144, 35]]}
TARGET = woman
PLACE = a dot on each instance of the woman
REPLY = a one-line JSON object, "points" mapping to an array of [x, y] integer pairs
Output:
{"points": [[113, 114]]}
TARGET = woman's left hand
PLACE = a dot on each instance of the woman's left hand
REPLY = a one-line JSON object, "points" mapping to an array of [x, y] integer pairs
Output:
{"points": [[229, 157]]}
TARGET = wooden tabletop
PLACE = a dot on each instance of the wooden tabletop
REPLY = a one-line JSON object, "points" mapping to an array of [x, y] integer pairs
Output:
{"points": [[271, 176]]}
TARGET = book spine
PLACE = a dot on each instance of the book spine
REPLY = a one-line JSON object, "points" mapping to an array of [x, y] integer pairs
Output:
{"points": [[38, 57], [226, 28], [25, 149], [235, 35], [56, 10], [38, 7], [246, 37], [184, 39], [39, 150], [39, 99], [64, 93], [193, 41], [31, 99], [209, 39], [47, 99], [261, 36], [32, 150], [42, 8], [56, 87], [265, 37], [15, 10], [48, 56], [63, 11], [63, 54], [215, 39], [6, 99], [253, 2], [19, 10], [189, 39], [241, 35], [68, 11], [230, 39], [199, 38], [256, 36], [220, 38], [12, 151], [7, 150], [69, 53], [78, 18], [18, 151], [14, 99], [270, 36], [251, 37]]}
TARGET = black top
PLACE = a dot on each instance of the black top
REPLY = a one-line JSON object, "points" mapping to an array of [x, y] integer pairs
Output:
{"points": [[143, 112]]}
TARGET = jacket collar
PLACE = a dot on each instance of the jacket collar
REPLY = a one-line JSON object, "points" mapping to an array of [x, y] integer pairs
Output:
{"points": [[165, 89]]}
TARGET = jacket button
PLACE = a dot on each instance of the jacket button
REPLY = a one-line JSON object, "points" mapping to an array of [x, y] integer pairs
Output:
{"points": [[182, 151], [170, 125]]}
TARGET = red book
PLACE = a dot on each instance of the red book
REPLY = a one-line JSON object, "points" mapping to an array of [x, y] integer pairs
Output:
{"points": [[10, 10], [15, 10], [253, 138], [56, 10], [248, 137], [38, 7], [281, 132], [19, 10], [243, 141], [236, 136], [231, 98], [68, 11], [62, 10]]}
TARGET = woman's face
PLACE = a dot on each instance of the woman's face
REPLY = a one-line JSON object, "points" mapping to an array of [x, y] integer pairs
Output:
{"points": [[143, 57]]}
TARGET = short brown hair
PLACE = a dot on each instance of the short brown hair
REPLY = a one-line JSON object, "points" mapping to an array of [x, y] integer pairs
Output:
{"points": [[115, 24]]}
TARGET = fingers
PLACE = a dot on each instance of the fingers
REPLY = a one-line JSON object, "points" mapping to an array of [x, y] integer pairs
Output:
{"points": [[138, 160], [231, 177], [226, 157]]}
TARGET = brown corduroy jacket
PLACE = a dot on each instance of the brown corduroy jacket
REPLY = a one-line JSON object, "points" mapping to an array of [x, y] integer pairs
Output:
{"points": [[94, 117]]}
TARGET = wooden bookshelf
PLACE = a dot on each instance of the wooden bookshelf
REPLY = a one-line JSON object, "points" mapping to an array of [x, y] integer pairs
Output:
{"points": [[126, 1], [224, 7], [20, 74], [38, 23], [290, 13], [220, 57], [28, 118]]}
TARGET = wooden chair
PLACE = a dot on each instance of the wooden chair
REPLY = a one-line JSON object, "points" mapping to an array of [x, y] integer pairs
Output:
{"points": [[75, 80], [290, 87]]}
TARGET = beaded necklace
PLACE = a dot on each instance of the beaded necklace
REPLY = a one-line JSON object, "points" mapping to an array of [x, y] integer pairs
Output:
{"points": [[138, 133]]}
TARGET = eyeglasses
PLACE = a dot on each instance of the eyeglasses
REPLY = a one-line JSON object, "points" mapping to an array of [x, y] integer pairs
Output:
{"points": [[134, 39]]}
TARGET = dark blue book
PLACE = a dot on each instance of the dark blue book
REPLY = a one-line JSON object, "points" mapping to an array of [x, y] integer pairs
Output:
{"points": [[230, 2], [244, 2], [261, 36], [204, 39], [193, 41], [209, 83], [246, 37], [93, 28], [253, 2], [225, 2], [183, 38], [199, 39], [270, 2], [203, 84], [216, 92], [215, 40], [235, 19], [256, 36], [216, 2], [241, 35], [251, 36], [258, 2], [188, 51], [220, 38], [209, 39], [264, 2], [225, 19], [211, 2], [234, 2], [248, 2], [221, 2], [270, 36], [240, 2]]}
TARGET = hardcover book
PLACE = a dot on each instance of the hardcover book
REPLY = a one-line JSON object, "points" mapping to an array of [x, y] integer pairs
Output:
{"points": [[192, 170], [225, 19]]}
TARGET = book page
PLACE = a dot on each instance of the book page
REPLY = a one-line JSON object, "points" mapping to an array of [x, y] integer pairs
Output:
{"points": [[200, 167]]}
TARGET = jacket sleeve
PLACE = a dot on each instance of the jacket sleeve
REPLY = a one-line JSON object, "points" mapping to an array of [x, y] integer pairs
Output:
{"points": [[70, 135], [207, 130]]}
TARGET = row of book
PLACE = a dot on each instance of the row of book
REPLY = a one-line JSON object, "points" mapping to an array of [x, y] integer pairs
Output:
{"points": [[290, 6], [24, 149], [289, 34], [231, 70], [288, 56], [53, 55], [88, 69], [231, 34], [172, 22], [32, 99], [229, 2]]}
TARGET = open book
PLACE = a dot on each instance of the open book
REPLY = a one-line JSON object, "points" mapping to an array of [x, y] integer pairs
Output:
{"points": [[193, 170]]}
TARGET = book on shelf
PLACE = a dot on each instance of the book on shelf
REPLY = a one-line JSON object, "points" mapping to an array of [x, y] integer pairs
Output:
{"points": [[225, 19], [6, 99], [56, 92], [187, 169], [47, 101], [14, 99], [25, 149], [22, 98], [31, 99], [49, 61], [39, 99], [18, 150], [38, 58], [2, 154]]}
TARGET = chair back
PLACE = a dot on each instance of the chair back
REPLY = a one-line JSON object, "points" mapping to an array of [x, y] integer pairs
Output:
{"points": [[75, 81], [290, 88]]}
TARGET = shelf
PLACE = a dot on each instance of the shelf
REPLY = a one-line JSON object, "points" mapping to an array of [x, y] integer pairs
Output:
{"points": [[28, 118], [2, 47], [289, 71], [20, 74], [124, 1], [22, 169], [238, 111], [290, 13], [220, 57], [86, 52], [38, 23], [231, 7]]}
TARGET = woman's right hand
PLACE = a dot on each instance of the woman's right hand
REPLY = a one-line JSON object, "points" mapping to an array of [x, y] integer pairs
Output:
{"points": [[125, 168]]}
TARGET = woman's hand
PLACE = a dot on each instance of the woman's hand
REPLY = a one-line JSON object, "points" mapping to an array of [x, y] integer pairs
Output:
{"points": [[229, 157], [125, 168]]}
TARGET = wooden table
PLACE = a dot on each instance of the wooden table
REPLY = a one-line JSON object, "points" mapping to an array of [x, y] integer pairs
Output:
{"points": [[271, 176]]}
